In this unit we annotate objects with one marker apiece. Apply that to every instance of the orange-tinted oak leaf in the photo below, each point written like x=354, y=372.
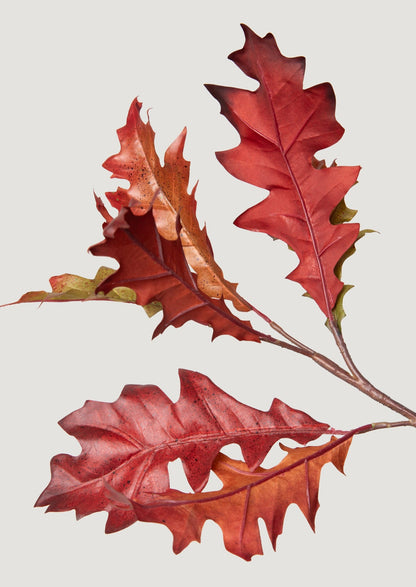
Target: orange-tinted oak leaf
x=157, y=271
x=281, y=126
x=73, y=288
x=245, y=497
x=127, y=444
x=164, y=190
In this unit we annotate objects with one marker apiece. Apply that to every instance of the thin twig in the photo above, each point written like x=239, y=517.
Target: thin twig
x=354, y=377
x=339, y=339
x=361, y=384
x=158, y=500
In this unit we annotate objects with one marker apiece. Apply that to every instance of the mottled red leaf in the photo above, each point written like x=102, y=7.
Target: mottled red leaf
x=164, y=190
x=282, y=126
x=127, y=444
x=157, y=271
x=245, y=497
x=161, y=191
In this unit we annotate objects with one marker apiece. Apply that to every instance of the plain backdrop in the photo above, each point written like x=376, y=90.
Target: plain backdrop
x=69, y=73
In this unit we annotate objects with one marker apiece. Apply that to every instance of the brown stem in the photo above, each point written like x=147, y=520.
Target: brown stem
x=362, y=382
x=359, y=383
x=302, y=348
x=339, y=339
x=264, y=477
x=381, y=425
x=321, y=360
x=354, y=377
x=278, y=328
x=384, y=399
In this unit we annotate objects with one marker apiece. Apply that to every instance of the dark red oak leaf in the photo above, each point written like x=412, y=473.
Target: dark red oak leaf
x=281, y=126
x=157, y=271
x=127, y=444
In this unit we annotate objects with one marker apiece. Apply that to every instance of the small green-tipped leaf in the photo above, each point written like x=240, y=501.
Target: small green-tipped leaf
x=338, y=310
x=72, y=288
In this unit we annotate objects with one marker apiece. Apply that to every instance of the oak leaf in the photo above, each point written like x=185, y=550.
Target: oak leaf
x=157, y=271
x=245, y=497
x=127, y=444
x=74, y=288
x=282, y=126
x=164, y=191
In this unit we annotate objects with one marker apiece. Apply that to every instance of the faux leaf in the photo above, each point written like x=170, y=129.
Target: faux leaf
x=127, y=444
x=282, y=126
x=340, y=215
x=338, y=310
x=72, y=288
x=245, y=497
x=157, y=270
x=164, y=190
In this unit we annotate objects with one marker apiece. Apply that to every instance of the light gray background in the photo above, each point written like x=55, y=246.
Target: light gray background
x=69, y=73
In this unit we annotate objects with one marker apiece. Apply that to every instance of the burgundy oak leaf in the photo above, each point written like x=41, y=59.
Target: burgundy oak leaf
x=157, y=271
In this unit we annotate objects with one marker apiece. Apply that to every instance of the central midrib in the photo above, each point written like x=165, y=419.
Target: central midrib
x=267, y=431
x=298, y=191
x=207, y=258
x=192, y=286
x=267, y=476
